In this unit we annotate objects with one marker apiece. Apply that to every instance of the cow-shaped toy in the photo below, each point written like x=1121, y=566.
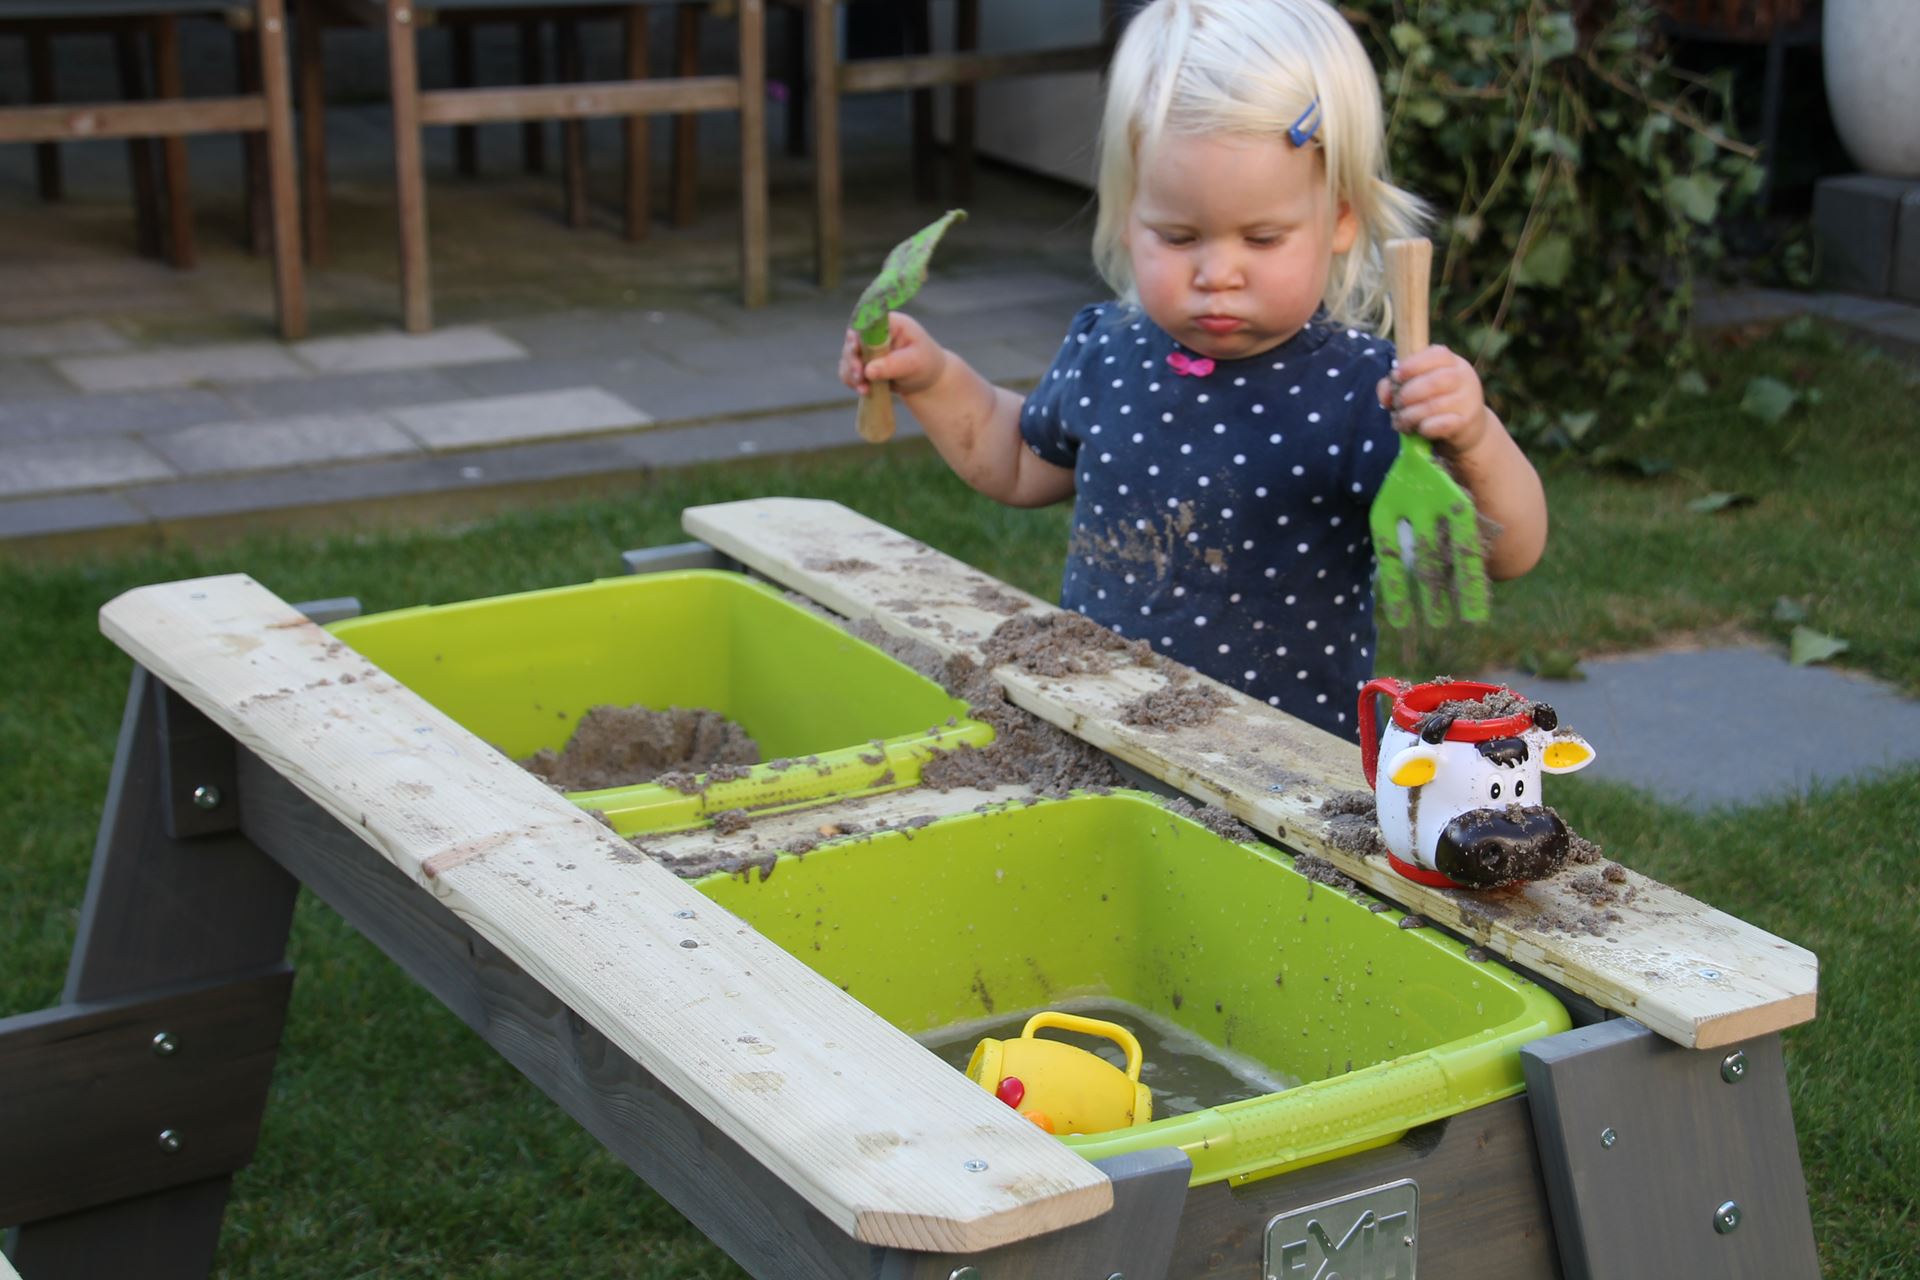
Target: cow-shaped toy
x=1458, y=796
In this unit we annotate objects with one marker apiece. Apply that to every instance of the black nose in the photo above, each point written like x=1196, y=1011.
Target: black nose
x=1486, y=848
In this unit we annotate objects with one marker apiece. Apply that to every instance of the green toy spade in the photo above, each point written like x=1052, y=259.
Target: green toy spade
x=1426, y=536
x=901, y=276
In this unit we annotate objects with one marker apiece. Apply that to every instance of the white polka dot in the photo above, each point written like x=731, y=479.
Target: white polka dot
x=1279, y=364
x=1106, y=457
x=1226, y=513
x=1145, y=610
x=1094, y=430
x=1116, y=382
x=1173, y=502
x=1259, y=408
x=1203, y=398
x=1297, y=468
x=1363, y=653
x=1261, y=492
x=1085, y=401
x=1138, y=437
x=1273, y=702
x=1247, y=545
x=1119, y=630
x=1283, y=520
x=1248, y=676
x=1099, y=510
x=1239, y=459
x=1274, y=438
x=1225, y=648
x=1102, y=593
x=1333, y=373
x=1336, y=600
x=1154, y=470
x=1200, y=621
x=1178, y=592
x=1343, y=715
x=1366, y=446
x=1302, y=675
x=1281, y=652
x=1259, y=625
x=1272, y=571
x=1186, y=448
x=1193, y=537
x=1123, y=493
x=1219, y=428
x=1139, y=524
x=1335, y=523
x=1312, y=417
x=1153, y=386
x=1329, y=650
x=1320, y=698
x=1313, y=624
x=1333, y=449
x=1239, y=382
x=1291, y=599
x=1126, y=408
x=1205, y=481
x=1166, y=417
x=1166, y=640
x=1293, y=391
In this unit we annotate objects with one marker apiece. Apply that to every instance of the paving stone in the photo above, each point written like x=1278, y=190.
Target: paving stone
x=497, y=420
x=59, y=338
x=27, y=379
x=67, y=513
x=218, y=447
x=238, y=362
x=587, y=335
x=750, y=389
x=58, y=466
x=946, y=296
x=631, y=368
x=72, y=415
x=1725, y=727
x=383, y=352
x=334, y=393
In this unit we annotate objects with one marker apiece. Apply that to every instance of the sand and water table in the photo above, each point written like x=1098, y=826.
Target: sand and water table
x=1341, y=1093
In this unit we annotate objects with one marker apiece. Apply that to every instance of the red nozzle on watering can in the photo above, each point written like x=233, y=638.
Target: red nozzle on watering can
x=1060, y=1087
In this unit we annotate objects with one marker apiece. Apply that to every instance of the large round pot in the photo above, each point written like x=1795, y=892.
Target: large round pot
x=1872, y=53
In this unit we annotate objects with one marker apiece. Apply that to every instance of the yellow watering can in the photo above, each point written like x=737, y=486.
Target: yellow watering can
x=1061, y=1088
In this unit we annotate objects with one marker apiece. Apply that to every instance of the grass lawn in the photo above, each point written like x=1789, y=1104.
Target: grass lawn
x=396, y=1144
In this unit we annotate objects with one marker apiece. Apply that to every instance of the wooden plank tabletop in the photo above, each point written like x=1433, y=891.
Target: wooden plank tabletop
x=748, y=1036
x=1695, y=975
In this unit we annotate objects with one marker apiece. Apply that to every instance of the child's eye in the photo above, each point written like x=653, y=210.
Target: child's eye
x=1264, y=242
x=1175, y=238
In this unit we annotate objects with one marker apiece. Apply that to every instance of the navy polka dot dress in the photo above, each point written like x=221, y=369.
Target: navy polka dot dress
x=1221, y=513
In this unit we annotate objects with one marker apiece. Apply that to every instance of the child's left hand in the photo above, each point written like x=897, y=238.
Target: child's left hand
x=1437, y=395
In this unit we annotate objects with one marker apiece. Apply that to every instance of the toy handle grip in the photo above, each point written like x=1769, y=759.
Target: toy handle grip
x=1089, y=1026
x=874, y=420
x=1379, y=686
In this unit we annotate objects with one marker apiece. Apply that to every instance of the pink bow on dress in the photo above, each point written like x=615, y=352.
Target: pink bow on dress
x=1190, y=366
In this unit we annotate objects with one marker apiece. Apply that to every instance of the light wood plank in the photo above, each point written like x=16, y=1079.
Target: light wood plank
x=579, y=100
x=747, y=1035
x=173, y=118
x=880, y=75
x=1695, y=975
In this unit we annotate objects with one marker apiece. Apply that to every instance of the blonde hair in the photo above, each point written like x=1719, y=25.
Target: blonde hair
x=1251, y=67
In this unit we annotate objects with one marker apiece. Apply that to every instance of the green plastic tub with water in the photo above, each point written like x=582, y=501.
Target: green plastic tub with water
x=1292, y=1024
x=831, y=714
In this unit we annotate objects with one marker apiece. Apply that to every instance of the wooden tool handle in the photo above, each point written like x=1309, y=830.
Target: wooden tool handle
x=875, y=419
x=1409, y=264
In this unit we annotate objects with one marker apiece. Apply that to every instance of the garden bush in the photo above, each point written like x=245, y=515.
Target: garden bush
x=1576, y=178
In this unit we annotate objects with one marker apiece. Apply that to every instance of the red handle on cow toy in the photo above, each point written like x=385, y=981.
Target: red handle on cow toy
x=1387, y=686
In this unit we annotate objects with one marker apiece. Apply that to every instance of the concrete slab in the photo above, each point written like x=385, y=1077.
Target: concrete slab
x=622, y=374
x=218, y=447
x=383, y=352
x=61, y=466
x=946, y=296
x=1721, y=728
x=497, y=420
x=67, y=513
x=59, y=338
x=344, y=392
x=64, y=417
x=30, y=379
x=238, y=362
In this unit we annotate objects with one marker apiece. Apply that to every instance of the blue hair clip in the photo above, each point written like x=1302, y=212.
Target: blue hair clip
x=1301, y=131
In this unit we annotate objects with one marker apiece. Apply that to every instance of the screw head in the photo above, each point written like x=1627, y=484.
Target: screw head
x=1733, y=1067
x=1608, y=1137
x=683, y=914
x=975, y=1166
x=164, y=1045
x=1726, y=1219
x=169, y=1140
x=206, y=796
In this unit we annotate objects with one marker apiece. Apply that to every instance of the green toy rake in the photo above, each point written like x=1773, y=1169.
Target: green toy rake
x=1426, y=536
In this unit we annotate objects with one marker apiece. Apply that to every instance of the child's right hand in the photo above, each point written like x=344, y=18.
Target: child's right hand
x=913, y=364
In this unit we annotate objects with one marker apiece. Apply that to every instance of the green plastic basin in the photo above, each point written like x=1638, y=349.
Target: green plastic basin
x=519, y=671
x=1115, y=897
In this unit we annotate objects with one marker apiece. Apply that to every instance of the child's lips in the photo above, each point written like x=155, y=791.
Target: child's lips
x=1218, y=325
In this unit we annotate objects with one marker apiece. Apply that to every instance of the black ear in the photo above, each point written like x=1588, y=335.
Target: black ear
x=1545, y=717
x=1433, y=728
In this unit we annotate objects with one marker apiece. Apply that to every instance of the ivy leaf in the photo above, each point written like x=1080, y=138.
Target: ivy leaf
x=1697, y=195
x=1787, y=609
x=1720, y=500
x=1548, y=261
x=1576, y=425
x=1430, y=112
x=1768, y=399
x=1407, y=38
x=1809, y=646
x=1691, y=382
x=1557, y=36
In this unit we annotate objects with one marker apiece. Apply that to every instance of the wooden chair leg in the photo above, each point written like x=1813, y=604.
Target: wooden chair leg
x=753, y=152
x=175, y=184
x=466, y=137
x=41, y=88
x=573, y=133
x=282, y=183
x=533, y=70
x=312, y=78
x=919, y=40
x=636, y=127
x=825, y=79
x=253, y=148
x=140, y=152
x=410, y=183
x=966, y=39
x=686, y=125
x=796, y=80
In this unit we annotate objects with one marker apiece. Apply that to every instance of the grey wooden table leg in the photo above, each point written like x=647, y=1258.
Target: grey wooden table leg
x=1665, y=1162
x=176, y=898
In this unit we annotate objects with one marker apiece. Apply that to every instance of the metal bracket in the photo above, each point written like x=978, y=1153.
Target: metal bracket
x=1662, y=1161
x=678, y=556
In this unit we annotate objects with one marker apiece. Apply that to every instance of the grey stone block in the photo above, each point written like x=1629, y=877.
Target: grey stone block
x=1855, y=218
x=61, y=466
x=496, y=420
x=64, y=417
x=383, y=352
x=68, y=513
x=27, y=379
x=59, y=338
x=344, y=392
x=617, y=373
x=1906, y=249
x=1687, y=727
x=219, y=447
x=237, y=362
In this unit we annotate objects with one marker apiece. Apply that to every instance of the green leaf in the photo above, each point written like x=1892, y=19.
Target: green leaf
x=1484, y=342
x=1406, y=37
x=901, y=276
x=1809, y=646
x=1548, y=261
x=1720, y=500
x=1576, y=425
x=1557, y=36
x=1768, y=399
x=1691, y=382
x=1787, y=609
x=1697, y=195
x=1798, y=329
x=1430, y=112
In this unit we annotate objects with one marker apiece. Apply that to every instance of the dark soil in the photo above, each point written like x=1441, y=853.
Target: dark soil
x=620, y=746
x=1352, y=826
x=1213, y=818
x=1175, y=706
x=1063, y=644
x=1493, y=706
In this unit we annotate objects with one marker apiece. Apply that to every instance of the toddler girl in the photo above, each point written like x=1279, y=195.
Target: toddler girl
x=1223, y=427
